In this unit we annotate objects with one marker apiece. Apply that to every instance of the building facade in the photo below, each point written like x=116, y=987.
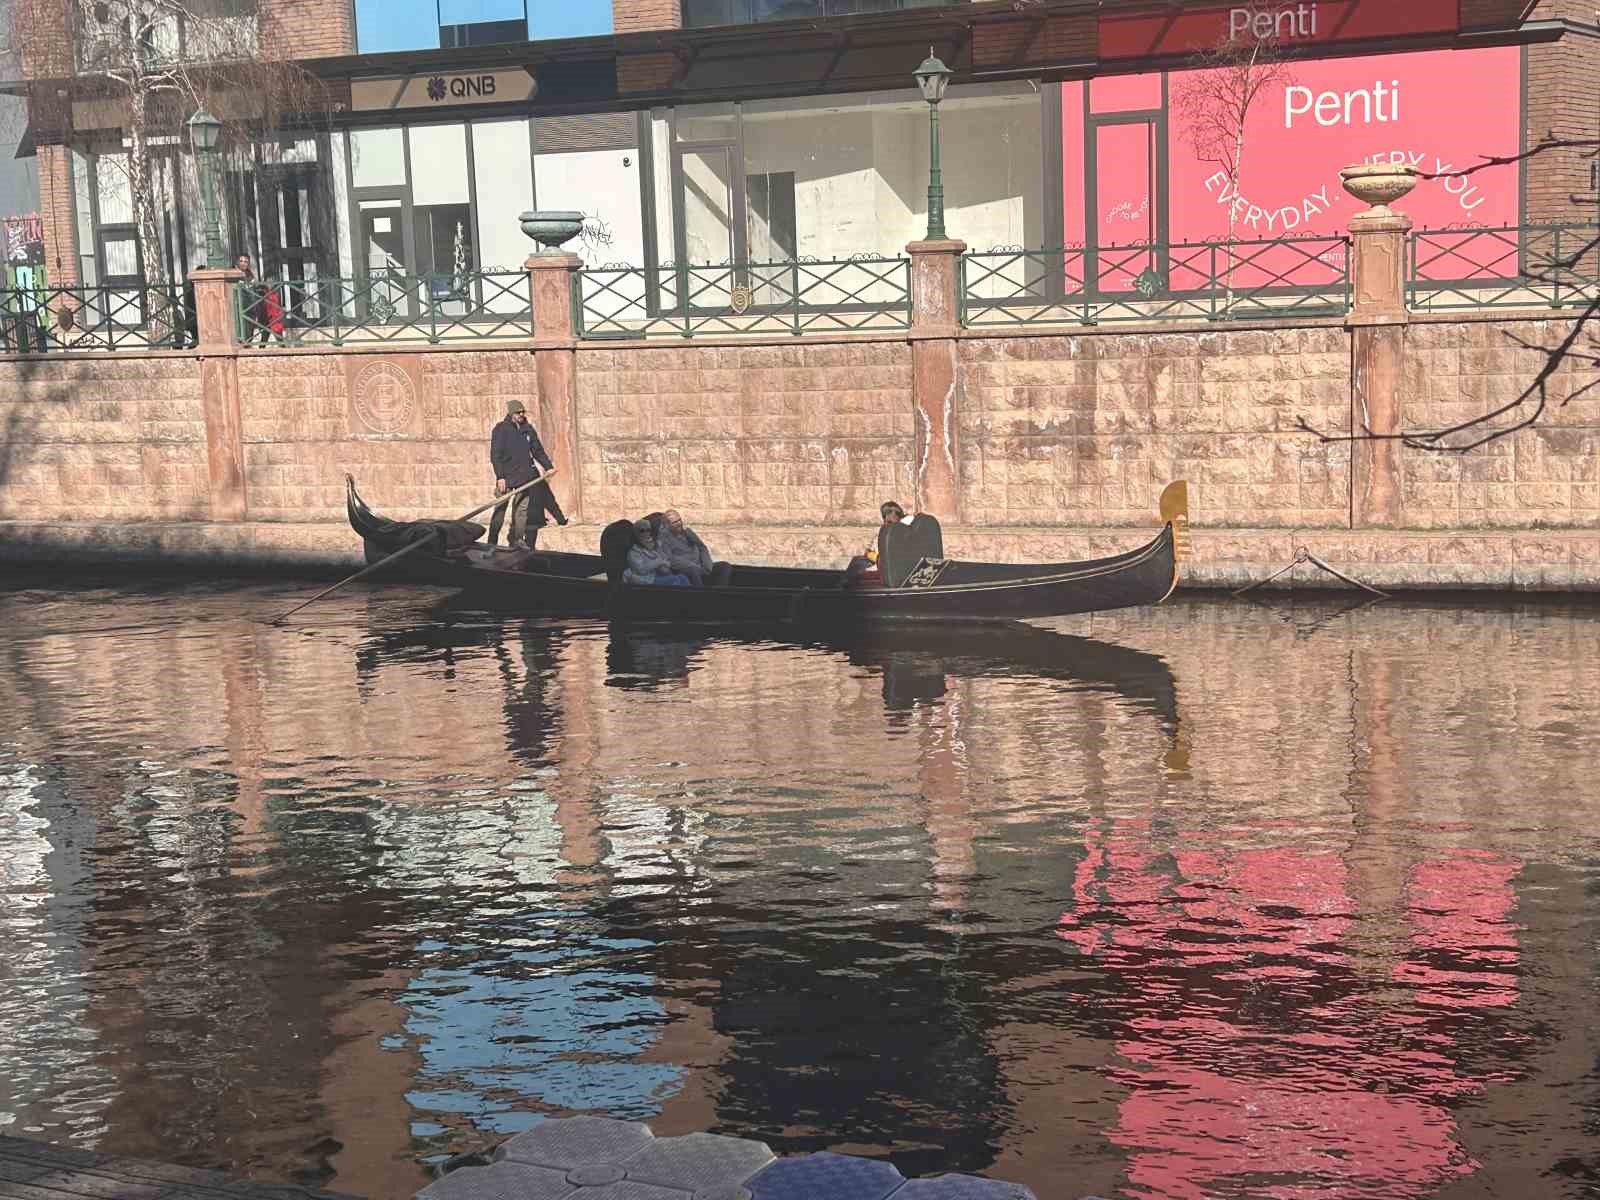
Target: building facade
x=753, y=131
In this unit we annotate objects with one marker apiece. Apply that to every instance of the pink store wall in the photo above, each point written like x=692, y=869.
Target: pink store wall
x=1131, y=173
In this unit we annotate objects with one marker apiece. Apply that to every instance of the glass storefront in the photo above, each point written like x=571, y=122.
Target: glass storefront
x=836, y=177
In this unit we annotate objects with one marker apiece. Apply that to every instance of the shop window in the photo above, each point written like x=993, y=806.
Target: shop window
x=769, y=209
x=378, y=157
x=482, y=33
x=445, y=253
x=482, y=22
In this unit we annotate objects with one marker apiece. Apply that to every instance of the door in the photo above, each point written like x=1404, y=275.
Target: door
x=383, y=258
x=296, y=252
x=710, y=233
x=1127, y=217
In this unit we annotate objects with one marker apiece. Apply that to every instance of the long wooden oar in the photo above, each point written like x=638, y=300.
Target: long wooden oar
x=416, y=545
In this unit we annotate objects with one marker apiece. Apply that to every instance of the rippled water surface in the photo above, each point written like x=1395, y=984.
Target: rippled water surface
x=1215, y=900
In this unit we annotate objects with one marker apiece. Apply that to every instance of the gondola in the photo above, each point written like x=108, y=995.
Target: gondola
x=915, y=581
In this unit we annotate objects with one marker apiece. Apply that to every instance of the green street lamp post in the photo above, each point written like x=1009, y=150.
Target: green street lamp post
x=204, y=132
x=933, y=77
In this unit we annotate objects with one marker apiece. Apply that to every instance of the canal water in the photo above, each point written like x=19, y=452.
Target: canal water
x=1215, y=900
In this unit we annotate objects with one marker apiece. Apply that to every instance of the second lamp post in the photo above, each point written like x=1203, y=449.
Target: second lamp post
x=933, y=77
x=204, y=131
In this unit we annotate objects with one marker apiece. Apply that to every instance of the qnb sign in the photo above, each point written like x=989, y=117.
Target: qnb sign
x=1288, y=24
x=461, y=87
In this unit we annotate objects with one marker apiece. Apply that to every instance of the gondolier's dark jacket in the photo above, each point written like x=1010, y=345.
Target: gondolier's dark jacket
x=513, y=450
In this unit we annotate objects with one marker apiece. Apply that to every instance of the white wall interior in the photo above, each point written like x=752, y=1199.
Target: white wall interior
x=80, y=187
x=438, y=165
x=502, y=161
x=661, y=158
x=604, y=186
x=341, y=206
x=378, y=157
x=861, y=167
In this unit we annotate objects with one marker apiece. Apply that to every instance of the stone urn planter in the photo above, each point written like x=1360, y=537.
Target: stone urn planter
x=1377, y=184
x=551, y=229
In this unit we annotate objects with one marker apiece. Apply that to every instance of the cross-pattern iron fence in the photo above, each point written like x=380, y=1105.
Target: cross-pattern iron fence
x=44, y=320
x=1527, y=266
x=796, y=297
x=1178, y=281
x=385, y=307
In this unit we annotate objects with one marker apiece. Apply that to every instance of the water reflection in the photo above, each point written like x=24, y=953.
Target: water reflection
x=1172, y=904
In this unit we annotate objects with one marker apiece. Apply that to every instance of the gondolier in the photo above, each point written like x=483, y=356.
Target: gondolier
x=517, y=456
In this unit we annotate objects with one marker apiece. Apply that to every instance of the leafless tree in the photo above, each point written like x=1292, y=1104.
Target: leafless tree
x=145, y=66
x=1567, y=356
x=1217, y=97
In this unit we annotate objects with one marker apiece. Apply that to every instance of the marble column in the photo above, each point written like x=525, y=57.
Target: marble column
x=1377, y=323
x=219, y=391
x=553, y=279
x=936, y=376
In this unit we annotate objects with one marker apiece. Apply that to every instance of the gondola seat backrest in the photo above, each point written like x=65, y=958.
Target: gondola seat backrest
x=615, y=542
x=901, y=548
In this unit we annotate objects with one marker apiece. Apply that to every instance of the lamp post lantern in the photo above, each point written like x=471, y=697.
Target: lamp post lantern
x=204, y=132
x=933, y=77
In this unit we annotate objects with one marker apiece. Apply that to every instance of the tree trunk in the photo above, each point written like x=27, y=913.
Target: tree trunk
x=141, y=188
x=155, y=306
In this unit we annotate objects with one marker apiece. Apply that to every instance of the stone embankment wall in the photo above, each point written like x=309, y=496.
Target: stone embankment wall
x=1029, y=446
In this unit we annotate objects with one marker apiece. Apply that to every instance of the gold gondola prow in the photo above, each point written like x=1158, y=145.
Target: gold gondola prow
x=1175, y=512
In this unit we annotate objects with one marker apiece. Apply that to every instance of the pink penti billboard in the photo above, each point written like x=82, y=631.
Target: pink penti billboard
x=1437, y=110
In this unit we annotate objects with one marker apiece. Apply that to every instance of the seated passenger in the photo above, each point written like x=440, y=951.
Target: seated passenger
x=863, y=568
x=681, y=546
x=646, y=563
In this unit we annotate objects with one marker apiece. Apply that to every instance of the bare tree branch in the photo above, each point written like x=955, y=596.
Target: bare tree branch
x=1217, y=98
x=1577, y=348
x=1545, y=144
x=156, y=62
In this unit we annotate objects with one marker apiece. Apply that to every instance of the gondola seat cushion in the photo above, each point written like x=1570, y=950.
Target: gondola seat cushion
x=615, y=542
x=903, y=547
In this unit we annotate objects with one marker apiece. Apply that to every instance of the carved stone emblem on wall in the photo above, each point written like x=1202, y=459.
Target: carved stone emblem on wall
x=384, y=397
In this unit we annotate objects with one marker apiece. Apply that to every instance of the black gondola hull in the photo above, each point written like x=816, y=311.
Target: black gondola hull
x=562, y=584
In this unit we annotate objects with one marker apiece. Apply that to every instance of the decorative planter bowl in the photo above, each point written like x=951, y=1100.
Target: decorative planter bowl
x=551, y=229
x=1378, y=183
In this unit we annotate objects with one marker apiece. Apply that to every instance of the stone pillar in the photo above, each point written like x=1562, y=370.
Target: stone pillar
x=553, y=279
x=936, y=376
x=1377, y=324
x=219, y=390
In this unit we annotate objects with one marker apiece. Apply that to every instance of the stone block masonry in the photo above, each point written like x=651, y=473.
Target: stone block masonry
x=1056, y=444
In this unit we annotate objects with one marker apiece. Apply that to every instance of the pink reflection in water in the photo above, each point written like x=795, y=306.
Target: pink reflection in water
x=1259, y=1061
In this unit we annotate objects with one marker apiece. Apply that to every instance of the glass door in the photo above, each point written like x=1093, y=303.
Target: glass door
x=293, y=220
x=383, y=258
x=1125, y=192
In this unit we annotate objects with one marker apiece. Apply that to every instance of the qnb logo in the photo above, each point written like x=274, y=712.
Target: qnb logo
x=1290, y=21
x=461, y=87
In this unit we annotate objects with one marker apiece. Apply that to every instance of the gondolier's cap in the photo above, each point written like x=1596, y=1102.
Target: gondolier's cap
x=513, y=407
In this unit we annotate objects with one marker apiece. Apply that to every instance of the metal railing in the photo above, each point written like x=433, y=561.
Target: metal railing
x=385, y=307
x=1179, y=281
x=48, y=320
x=1526, y=266
x=796, y=297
